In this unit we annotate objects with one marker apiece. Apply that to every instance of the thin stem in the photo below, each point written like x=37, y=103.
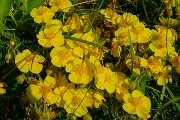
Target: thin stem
x=132, y=52
x=86, y=42
x=173, y=97
x=144, y=7
x=163, y=93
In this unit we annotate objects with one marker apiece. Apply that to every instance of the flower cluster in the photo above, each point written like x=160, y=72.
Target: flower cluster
x=133, y=34
x=81, y=56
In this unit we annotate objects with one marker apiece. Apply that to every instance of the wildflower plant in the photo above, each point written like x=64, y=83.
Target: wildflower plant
x=104, y=62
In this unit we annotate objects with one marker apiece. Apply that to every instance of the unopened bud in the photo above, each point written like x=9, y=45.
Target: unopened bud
x=8, y=57
x=12, y=42
x=49, y=72
x=20, y=79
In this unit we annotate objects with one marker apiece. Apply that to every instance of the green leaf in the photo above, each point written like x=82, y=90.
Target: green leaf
x=86, y=42
x=18, y=3
x=142, y=86
x=4, y=10
x=145, y=78
x=33, y=4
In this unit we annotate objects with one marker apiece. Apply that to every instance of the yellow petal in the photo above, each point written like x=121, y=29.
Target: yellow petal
x=129, y=108
x=24, y=66
x=49, y=81
x=110, y=88
x=38, y=58
x=75, y=78
x=136, y=94
x=50, y=98
x=126, y=97
x=78, y=51
x=2, y=91
x=36, y=68
x=69, y=95
x=55, y=61
x=141, y=112
x=81, y=110
x=33, y=93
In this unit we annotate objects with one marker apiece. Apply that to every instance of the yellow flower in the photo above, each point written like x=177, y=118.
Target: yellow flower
x=162, y=41
x=85, y=21
x=162, y=34
x=137, y=103
x=2, y=90
x=77, y=101
x=110, y=15
x=175, y=61
x=98, y=69
x=97, y=52
x=80, y=71
x=27, y=61
x=170, y=22
x=108, y=80
x=54, y=24
x=116, y=48
x=63, y=5
x=122, y=86
x=62, y=86
x=127, y=20
x=73, y=24
x=161, y=49
x=124, y=35
x=162, y=77
x=50, y=37
x=80, y=49
x=42, y=14
x=42, y=89
x=138, y=63
x=97, y=99
x=61, y=56
x=141, y=34
x=155, y=64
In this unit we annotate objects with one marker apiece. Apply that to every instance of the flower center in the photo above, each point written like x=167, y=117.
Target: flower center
x=41, y=11
x=29, y=57
x=136, y=101
x=76, y=101
x=44, y=89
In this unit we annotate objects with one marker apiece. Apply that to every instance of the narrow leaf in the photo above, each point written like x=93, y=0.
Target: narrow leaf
x=86, y=42
x=33, y=4
x=4, y=10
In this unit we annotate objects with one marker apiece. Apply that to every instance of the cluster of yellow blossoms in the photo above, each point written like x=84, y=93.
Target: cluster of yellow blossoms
x=83, y=62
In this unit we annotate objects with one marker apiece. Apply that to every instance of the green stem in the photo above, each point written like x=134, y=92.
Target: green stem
x=173, y=97
x=102, y=1
x=86, y=42
x=163, y=93
x=163, y=106
x=11, y=15
x=131, y=51
x=144, y=7
x=167, y=103
x=40, y=78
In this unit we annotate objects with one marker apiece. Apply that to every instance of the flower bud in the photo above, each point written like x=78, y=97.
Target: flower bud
x=20, y=79
x=12, y=43
x=8, y=57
